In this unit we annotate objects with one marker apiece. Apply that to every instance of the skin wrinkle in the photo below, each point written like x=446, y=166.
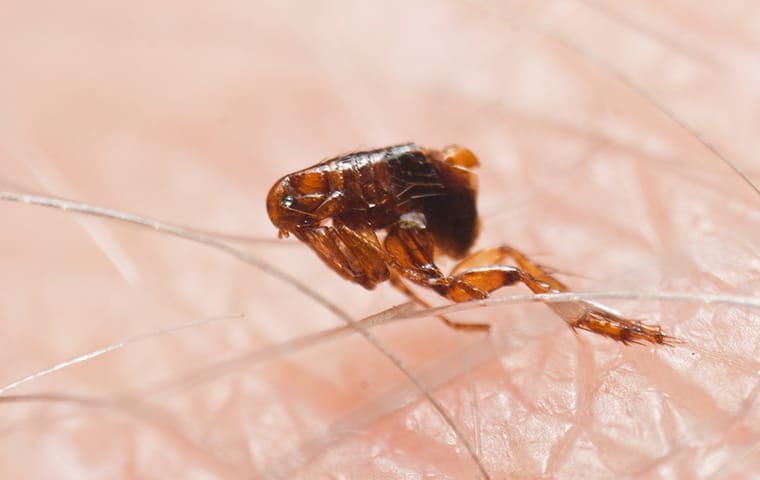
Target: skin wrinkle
x=191, y=118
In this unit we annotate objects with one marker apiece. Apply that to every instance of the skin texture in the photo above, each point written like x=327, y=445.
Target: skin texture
x=188, y=112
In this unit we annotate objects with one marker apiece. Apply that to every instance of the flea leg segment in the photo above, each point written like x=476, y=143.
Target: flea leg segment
x=583, y=315
x=397, y=282
x=410, y=253
x=355, y=254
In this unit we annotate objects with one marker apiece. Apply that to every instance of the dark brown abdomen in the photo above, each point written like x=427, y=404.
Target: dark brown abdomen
x=391, y=181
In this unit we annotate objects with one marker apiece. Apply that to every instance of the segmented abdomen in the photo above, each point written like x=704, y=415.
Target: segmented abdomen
x=381, y=185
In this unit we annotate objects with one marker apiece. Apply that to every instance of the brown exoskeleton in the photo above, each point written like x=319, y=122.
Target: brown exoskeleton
x=425, y=201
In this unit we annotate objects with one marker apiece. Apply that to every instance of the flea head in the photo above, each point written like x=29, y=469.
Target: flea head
x=298, y=200
x=281, y=207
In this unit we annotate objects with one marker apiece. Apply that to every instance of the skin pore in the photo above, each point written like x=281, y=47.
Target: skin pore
x=575, y=110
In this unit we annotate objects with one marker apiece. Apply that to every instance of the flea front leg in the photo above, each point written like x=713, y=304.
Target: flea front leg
x=355, y=254
x=583, y=315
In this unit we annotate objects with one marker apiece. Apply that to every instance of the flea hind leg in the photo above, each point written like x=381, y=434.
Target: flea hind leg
x=410, y=253
x=582, y=315
x=397, y=282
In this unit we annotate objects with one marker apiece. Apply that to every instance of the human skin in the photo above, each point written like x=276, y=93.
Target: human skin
x=587, y=121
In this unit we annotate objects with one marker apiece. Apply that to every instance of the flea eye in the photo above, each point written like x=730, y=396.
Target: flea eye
x=287, y=201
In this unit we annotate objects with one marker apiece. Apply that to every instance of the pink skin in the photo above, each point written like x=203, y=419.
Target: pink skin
x=189, y=115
